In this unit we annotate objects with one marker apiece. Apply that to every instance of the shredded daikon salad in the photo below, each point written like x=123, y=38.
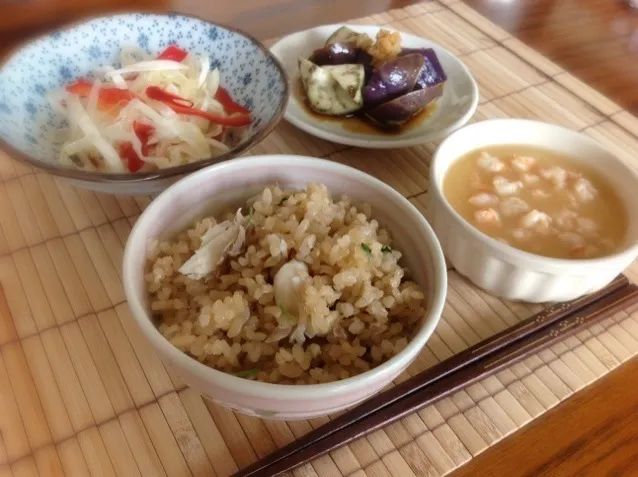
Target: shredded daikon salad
x=151, y=113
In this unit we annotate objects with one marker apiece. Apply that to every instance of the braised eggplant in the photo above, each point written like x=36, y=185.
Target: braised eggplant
x=393, y=79
x=432, y=73
x=393, y=114
x=335, y=54
x=333, y=90
x=343, y=35
x=341, y=54
x=348, y=75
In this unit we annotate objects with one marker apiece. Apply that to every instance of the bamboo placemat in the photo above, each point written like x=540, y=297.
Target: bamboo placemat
x=82, y=394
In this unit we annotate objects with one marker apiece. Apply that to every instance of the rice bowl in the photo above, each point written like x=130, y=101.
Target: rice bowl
x=310, y=290
x=217, y=189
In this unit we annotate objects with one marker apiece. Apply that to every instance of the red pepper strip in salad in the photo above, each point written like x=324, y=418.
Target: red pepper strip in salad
x=174, y=53
x=169, y=99
x=226, y=100
x=143, y=133
x=184, y=106
x=108, y=98
x=133, y=161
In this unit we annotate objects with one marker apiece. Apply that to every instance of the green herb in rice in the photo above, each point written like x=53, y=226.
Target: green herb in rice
x=251, y=213
x=286, y=315
x=386, y=249
x=366, y=248
x=247, y=373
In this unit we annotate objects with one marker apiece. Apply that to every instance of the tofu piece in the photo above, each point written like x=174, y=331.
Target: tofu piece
x=540, y=194
x=531, y=179
x=571, y=238
x=505, y=187
x=512, y=206
x=487, y=217
x=585, y=190
x=566, y=219
x=536, y=220
x=522, y=235
x=523, y=163
x=490, y=163
x=586, y=226
x=556, y=175
x=483, y=199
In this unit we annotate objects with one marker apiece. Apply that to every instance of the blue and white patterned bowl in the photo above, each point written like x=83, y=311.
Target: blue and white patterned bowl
x=248, y=70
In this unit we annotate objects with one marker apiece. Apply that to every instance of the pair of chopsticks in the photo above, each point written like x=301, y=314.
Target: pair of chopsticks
x=473, y=364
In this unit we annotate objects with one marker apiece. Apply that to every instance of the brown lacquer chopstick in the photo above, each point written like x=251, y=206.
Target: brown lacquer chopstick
x=344, y=424
x=456, y=381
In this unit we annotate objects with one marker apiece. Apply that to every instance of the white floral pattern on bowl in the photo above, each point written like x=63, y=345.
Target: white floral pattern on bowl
x=247, y=69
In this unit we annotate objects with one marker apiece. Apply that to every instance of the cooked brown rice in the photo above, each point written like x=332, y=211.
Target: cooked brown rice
x=305, y=289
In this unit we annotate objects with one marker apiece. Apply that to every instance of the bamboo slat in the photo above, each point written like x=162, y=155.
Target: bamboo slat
x=82, y=393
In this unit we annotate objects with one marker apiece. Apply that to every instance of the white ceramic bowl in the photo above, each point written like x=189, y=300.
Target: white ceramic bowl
x=511, y=273
x=453, y=109
x=215, y=188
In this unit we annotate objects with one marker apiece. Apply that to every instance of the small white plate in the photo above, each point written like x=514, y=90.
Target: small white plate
x=453, y=109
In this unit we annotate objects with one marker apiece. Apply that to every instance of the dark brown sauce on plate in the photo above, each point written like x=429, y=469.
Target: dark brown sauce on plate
x=357, y=124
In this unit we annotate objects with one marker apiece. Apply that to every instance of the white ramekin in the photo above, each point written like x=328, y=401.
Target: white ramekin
x=508, y=272
x=216, y=188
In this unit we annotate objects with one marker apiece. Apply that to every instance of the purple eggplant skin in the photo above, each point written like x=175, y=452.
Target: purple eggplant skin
x=393, y=114
x=393, y=79
x=432, y=73
x=335, y=54
x=365, y=59
x=343, y=54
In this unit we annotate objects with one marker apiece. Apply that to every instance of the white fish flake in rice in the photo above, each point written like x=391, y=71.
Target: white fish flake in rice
x=523, y=163
x=585, y=190
x=490, y=163
x=505, y=187
x=483, y=199
x=512, y=206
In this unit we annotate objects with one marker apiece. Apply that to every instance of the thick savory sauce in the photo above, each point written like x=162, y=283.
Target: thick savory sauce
x=356, y=124
x=537, y=201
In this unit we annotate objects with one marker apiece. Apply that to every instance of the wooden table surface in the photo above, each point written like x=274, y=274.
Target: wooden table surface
x=595, y=433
